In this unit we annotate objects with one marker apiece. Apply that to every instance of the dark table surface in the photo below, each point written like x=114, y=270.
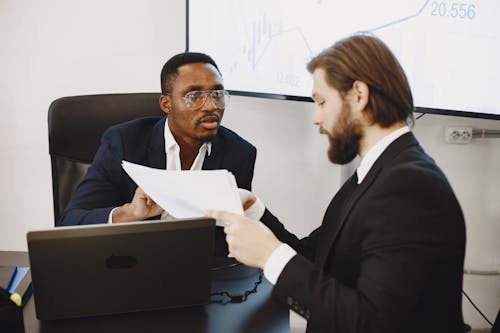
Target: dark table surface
x=259, y=313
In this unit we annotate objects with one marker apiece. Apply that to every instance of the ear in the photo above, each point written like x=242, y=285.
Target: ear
x=361, y=96
x=165, y=103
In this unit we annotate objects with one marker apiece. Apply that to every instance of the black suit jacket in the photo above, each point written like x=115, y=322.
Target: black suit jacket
x=106, y=185
x=388, y=256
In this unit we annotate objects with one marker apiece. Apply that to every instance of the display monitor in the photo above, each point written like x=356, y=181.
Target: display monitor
x=448, y=49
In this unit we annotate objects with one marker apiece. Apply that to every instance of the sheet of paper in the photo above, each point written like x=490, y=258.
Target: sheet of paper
x=186, y=194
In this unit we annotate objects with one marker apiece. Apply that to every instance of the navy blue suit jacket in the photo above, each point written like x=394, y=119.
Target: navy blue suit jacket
x=106, y=185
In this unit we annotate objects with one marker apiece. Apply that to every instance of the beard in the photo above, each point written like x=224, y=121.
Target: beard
x=344, y=138
x=188, y=125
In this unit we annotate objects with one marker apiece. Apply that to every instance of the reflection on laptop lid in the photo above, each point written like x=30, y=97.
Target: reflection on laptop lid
x=116, y=268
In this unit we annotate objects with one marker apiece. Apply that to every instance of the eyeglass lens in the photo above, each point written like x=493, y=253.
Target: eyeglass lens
x=195, y=99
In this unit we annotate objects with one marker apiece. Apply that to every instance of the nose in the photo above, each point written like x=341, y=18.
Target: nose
x=208, y=104
x=316, y=116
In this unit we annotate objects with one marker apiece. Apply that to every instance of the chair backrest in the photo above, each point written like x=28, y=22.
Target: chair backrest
x=496, y=324
x=76, y=124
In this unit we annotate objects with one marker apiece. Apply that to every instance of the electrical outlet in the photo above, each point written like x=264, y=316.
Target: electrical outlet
x=458, y=134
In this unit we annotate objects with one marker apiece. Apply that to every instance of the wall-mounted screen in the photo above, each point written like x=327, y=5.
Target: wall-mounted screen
x=450, y=50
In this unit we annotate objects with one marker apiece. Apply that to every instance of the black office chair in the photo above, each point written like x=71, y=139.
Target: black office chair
x=76, y=124
x=496, y=324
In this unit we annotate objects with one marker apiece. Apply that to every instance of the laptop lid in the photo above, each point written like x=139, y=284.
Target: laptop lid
x=115, y=268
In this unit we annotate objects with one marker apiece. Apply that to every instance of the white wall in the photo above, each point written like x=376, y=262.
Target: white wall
x=54, y=48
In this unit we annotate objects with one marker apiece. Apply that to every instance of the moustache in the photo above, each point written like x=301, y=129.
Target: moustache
x=323, y=131
x=209, y=118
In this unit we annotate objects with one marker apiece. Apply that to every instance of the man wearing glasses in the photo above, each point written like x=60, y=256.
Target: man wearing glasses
x=188, y=138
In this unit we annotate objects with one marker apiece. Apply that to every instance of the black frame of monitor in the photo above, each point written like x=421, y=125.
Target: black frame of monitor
x=418, y=109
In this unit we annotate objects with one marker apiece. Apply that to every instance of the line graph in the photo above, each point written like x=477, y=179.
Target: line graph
x=271, y=36
x=264, y=33
x=264, y=46
x=398, y=21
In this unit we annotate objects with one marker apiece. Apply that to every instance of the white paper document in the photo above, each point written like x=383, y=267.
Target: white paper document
x=186, y=194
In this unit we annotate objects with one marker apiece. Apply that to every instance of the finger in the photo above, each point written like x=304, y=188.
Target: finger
x=156, y=210
x=140, y=194
x=222, y=215
x=231, y=245
x=150, y=201
x=244, y=194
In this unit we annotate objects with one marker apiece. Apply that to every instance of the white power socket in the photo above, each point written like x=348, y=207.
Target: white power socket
x=458, y=134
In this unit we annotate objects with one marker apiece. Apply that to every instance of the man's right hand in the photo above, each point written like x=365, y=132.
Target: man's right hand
x=141, y=208
x=249, y=241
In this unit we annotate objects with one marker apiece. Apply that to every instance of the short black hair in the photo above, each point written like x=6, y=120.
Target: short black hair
x=169, y=70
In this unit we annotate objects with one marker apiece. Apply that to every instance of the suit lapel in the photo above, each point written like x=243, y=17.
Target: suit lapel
x=216, y=157
x=348, y=205
x=157, y=157
x=331, y=219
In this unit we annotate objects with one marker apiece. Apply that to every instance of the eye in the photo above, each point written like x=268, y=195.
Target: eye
x=318, y=101
x=218, y=94
x=193, y=96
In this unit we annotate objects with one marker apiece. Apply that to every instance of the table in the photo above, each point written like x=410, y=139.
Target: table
x=259, y=313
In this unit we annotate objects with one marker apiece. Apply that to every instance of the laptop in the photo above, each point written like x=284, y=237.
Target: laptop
x=91, y=270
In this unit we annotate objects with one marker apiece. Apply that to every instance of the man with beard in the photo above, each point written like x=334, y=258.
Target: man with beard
x=188, y=138
x=388, y=256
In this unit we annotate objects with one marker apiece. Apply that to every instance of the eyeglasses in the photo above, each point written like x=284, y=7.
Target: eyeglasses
x=196, y=99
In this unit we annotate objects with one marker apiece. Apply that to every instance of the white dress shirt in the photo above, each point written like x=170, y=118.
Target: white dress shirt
x=282, y=255
x=172, y=150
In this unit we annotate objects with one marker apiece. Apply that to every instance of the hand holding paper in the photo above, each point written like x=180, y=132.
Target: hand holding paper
x=186, y=194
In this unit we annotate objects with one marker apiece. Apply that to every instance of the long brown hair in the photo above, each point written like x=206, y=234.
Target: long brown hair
x=367, y=59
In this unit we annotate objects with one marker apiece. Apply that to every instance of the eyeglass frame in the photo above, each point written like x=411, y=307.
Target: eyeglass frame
x=204, y=94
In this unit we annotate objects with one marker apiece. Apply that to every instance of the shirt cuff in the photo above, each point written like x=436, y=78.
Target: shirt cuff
x=166, y=216
x=110, y=216
x=277, y=261
x=256, y=210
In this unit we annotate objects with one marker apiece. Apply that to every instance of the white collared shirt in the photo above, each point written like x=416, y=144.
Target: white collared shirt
x=374, y=153
x=172, y=151
x=282, y=255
